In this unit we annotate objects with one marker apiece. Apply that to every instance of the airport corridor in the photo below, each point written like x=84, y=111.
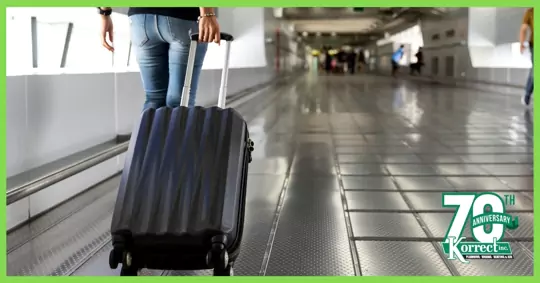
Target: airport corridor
x=346, y=180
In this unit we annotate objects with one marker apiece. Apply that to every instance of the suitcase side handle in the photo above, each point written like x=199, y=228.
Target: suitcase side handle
x=191, y=63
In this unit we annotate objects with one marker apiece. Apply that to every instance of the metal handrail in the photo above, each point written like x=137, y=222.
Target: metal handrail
x=61, y=174
x=36, y=185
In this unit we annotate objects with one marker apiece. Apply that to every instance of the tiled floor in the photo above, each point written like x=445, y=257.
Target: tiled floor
x=348, y=174
x=397, y=146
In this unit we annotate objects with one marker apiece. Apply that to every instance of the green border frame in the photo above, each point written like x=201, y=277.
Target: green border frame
x=243, y=3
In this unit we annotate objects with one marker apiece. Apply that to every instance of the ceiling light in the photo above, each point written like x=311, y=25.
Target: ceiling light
x=278, y=12
x=291, y=27
x=305, y=34
x=318, y=34
x=333, y=34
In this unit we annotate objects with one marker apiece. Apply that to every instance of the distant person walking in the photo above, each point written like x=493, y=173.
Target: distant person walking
x=417, y=67
x=396, y=57
x=361, y=60
x=327, y=60
x=351, y=62
x=161, y=38
x=527, y=25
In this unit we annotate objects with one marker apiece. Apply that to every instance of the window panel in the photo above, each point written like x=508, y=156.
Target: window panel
x=18, y=44
x=50, y=44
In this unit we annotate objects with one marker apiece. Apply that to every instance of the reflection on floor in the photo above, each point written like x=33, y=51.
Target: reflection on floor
x=346, y=180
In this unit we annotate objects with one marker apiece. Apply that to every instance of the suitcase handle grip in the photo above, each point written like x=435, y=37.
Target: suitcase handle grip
x=223, y=36
x=191, y=63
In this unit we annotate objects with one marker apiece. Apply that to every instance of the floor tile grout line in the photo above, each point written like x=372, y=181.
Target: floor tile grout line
x=452, y=148
x=279, y=208
x=449, y=127
x=416, y=211
x=414, y=128
x=521, y=246
x=515, y=240
x=275, y=221
x=350, y=234
x=451, y=268
x=447, y=146
x=398, y=153
x=440, y=190
x=432, y=175
x=496, y=176
x=355, y=257
x=525, y=250
x=521, y=192
x=433, y=163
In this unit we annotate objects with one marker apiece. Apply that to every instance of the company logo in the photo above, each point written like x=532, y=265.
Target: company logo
x=486, y=213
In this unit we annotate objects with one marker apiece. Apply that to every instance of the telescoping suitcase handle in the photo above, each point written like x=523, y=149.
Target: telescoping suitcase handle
x=191, y=63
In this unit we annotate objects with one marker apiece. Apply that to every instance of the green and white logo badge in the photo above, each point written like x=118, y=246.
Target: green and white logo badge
x=487, y=241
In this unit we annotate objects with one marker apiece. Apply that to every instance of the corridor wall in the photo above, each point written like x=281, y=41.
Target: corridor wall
x=471, y=46
x=55, y=113
x=476, y=52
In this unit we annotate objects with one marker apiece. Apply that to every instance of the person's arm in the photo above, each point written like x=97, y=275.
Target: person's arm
x=106, y=30
x=208, y=25
x=524, y=28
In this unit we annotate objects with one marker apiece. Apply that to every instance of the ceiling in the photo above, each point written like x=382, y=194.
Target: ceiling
x=344, y=26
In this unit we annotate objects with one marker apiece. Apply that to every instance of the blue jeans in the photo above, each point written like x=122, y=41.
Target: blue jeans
x=529, y=87
x=161, y=45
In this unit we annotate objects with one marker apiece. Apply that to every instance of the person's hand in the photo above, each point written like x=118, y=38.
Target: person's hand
x=209, y=30
x=522, y=48
x=107, y=32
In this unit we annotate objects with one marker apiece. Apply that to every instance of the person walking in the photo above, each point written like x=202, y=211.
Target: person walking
x=351, y=62
x=417, y=67
x=161, y=38
x=527, y=25
x=361, y=60
x=396, y=57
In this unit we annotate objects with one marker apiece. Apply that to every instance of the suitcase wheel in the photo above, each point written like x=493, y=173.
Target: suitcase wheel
x=251, y=147
x=128, y=269
x=227, y=271
x=114, y=259
x=218, y=257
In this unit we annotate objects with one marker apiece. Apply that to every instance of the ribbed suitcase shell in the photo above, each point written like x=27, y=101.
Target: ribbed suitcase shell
x=184, y=181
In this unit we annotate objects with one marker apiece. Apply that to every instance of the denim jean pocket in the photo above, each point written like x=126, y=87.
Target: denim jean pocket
x=181, y=30
x=139, y=37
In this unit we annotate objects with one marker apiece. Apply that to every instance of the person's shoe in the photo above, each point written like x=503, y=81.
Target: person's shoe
x=525, y=100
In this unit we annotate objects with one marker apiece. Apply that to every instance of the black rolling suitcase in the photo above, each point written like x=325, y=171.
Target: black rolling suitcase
x=181, y=201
